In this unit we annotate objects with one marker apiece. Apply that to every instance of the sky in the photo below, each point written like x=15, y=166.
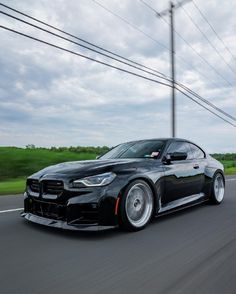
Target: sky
x=49, y=97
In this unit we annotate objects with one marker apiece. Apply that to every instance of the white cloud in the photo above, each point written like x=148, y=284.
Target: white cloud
x=49, y=97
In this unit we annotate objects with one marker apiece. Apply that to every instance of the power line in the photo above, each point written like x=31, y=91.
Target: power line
x=170, y=11
x=205, y=101
x=203, y=59
x=124, y=20
x=150, y=37
x=130, y=24
x=86, y=47
x=182, y=60
x=80, y=39
x=136, y=28
x=109, y=65
x=89, y=43
x=208, y=40
x=210, y=25
x=167, y=79
x=83, y=56
x=188, y=44
x=232, y=124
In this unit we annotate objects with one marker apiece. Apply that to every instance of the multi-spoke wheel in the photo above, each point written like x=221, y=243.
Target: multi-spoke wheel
x=136, y=206
x=218, y=188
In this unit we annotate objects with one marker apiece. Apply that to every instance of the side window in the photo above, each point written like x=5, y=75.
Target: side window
x=180, y=147
x=197, y=153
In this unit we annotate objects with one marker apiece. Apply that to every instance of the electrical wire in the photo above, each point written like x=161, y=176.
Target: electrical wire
x=148, y=36
x=86, y=47
x=111, y=66
x=167, y=79
x=189, y=45
x=178, y=57
x=208, y=40
x=80, y=39
x=214, y=31
x=232, y=124
x=99, y=47
x=130, y=24
x=205, y=101
x=83, y=56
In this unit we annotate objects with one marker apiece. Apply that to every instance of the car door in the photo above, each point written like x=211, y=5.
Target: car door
x=200, y=163
x=182, y=177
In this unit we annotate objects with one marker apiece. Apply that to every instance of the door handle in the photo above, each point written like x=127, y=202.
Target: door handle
x=196, y=166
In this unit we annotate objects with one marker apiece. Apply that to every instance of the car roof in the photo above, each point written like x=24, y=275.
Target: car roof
x=159, y=139
x=166, y=140
x=163, y=139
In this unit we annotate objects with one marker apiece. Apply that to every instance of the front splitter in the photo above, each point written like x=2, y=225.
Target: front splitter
x=62, y=224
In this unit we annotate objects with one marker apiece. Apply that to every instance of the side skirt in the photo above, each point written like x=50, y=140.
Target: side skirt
x=182, y=203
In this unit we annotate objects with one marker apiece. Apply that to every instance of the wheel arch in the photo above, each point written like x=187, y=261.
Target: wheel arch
x=213, y=197
x=150, y=184
x=221, y=172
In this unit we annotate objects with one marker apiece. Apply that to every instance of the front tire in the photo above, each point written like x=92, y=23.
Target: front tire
x=218, y=188
x=136, y=206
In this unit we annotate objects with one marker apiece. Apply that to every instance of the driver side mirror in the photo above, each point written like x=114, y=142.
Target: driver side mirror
x=174, y=157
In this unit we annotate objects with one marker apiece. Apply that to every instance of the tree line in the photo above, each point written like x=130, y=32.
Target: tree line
x=77, y=149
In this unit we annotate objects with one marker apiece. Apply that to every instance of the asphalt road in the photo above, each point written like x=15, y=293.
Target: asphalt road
x=193, y=251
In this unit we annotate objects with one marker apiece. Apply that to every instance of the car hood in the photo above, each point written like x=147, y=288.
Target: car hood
x=90, y=167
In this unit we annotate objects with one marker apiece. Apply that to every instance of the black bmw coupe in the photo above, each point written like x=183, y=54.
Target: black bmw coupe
x=125, y=187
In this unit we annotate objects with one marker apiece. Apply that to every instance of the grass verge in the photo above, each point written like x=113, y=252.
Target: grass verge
x=14, y=186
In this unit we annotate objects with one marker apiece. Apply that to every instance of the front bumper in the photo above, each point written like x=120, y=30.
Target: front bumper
x=63, y=224
x=51, y=201
x=77, y=213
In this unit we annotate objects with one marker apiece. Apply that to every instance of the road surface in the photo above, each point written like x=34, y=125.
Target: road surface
x=192, y=251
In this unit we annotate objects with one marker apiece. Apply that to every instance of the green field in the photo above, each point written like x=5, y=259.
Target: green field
x=18, y=163
x=14, y=186
x=230, y=166
x=229, y=162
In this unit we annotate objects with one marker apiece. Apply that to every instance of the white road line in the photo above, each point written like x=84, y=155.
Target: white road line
x=227, y=180
x=11, y=210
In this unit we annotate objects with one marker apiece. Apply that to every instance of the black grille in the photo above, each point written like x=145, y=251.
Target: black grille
x=53, y=187
x=34, y=185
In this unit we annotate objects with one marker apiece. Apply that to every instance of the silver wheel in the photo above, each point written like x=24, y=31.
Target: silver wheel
x=219, y=188
x=139, y=204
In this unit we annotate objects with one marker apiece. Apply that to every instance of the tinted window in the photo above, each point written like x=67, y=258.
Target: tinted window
x=180, y=147
x=196, y=152
x=141, y=149
x=116, y=151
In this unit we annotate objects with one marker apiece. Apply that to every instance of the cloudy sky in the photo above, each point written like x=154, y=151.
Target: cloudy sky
x=52, y=98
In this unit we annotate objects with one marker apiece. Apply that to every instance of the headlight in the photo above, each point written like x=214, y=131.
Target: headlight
x=93, y=181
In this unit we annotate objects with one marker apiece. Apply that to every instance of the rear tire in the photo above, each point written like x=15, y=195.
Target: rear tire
x=136, y=206
x=218, y=188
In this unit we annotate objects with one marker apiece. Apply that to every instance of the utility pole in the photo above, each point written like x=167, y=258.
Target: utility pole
x=171, y=11
x=172, y=55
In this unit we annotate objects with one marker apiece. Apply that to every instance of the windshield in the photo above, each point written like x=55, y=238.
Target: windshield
x=141, y=149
